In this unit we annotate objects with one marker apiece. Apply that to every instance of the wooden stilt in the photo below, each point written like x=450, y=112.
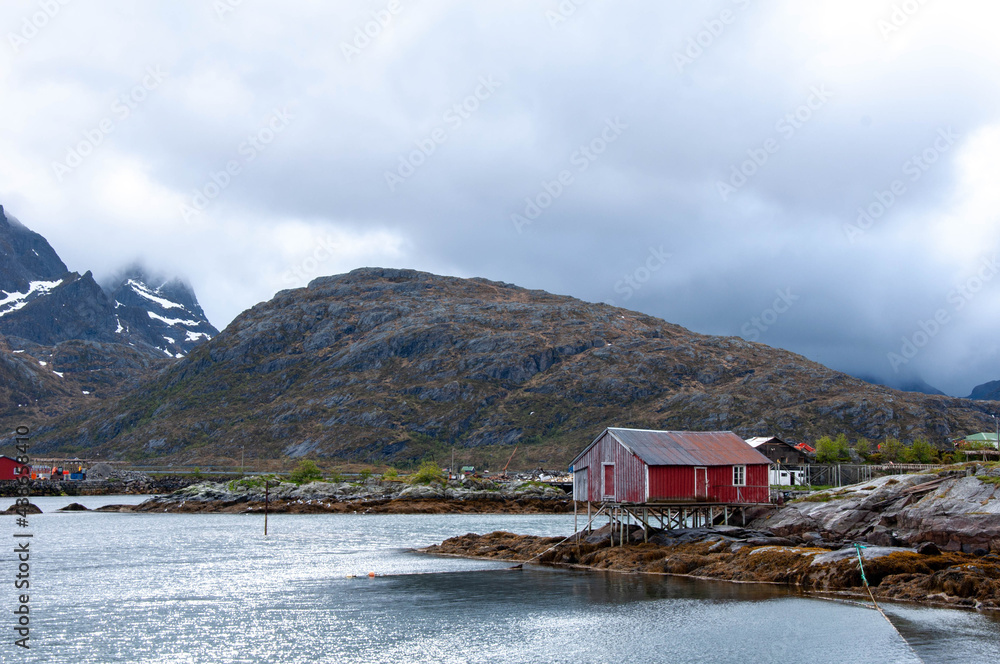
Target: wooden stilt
x=611, y=526
x=622, y=515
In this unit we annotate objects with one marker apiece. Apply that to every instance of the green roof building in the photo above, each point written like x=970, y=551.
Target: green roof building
x=984, y=437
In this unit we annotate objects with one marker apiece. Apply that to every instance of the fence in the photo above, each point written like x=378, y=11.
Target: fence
x=844, y=474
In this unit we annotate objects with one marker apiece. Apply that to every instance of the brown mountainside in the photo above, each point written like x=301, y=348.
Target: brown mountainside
x=388, y=366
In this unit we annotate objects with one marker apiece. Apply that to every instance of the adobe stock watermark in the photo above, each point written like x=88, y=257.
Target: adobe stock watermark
x=365, y=34
x=563, y=12
x=453, y=118
x=752, y=329
x=632, y=282
x=218, y=181
x=958, y=298
x=121, y=109
x=704, y=39
x=22, y=539
x=900, y=15
x=32, y=26
x=324, y=250
x=786, y=127
x=581, y=159
x=223, y=8
x=913, y=169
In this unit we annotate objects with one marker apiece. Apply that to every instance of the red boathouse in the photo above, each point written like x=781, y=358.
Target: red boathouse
x=642, y=467
x=12, y=469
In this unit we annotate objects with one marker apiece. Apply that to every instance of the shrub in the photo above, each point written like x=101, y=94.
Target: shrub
x=306, y=471
x=864, y=448
x=892, y=449
x=921, y=452
x=427, y=473
x=390, y=474
x=830, y=450
x=365, y=475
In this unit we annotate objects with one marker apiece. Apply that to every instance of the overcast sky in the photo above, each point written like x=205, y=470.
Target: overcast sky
x=701, y=162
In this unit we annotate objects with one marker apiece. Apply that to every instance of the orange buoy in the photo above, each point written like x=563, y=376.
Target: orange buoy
x=371, y=574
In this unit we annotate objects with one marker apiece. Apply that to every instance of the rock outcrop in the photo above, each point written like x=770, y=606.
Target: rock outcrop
x=747, y=556
x=370, y=496
x=954, y=511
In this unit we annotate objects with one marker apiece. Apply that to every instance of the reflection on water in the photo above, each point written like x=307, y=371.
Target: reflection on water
x=209, y=588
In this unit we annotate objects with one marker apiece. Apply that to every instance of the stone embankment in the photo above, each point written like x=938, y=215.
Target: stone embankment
x=368, y=497
x=933, y=539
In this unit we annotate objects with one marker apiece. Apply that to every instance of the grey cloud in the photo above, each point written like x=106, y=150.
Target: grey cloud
x=657, y=185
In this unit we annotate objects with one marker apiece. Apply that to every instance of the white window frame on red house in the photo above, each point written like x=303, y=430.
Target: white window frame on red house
x=739, y=475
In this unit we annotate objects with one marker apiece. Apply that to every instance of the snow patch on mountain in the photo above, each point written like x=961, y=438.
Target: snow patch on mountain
x=174, y=321
x=142, y=290
x=16, y=300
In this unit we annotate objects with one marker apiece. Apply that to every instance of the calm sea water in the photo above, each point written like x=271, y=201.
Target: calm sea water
x=162, y=588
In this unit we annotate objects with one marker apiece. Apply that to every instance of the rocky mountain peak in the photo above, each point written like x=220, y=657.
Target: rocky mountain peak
x=162, y=312
x=42, y=302
x=25, y=258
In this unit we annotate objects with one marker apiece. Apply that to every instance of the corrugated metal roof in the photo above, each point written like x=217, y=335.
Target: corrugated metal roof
x=686, y=448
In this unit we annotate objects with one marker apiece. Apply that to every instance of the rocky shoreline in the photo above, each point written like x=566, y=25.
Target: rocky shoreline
x=134, y=486
x=368, y=497
x=930, y=577
x=930, y=539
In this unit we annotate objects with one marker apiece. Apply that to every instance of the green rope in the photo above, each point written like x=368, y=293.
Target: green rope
x=861, y=563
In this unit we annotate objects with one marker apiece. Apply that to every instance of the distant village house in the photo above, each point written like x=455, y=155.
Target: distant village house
x=778, y=451
x=12, y=469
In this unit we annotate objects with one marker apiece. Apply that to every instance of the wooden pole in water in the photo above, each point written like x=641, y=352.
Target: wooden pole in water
x=267, y=486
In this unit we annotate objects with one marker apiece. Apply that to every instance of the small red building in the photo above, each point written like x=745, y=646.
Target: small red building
x=644, y=466
x=12, y=469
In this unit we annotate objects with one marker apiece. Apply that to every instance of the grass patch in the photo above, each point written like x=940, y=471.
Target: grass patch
x=822, y=497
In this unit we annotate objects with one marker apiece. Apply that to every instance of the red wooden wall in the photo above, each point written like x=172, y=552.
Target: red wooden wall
x=666, y=483
x=7, y=466
x=677, y=483
x=630, y=472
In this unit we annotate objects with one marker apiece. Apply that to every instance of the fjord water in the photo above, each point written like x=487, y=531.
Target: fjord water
x=166, y=588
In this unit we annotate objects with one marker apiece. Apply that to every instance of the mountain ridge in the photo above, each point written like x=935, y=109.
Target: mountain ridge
x=62, y=342
x=989, y=391
x=390, y=365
